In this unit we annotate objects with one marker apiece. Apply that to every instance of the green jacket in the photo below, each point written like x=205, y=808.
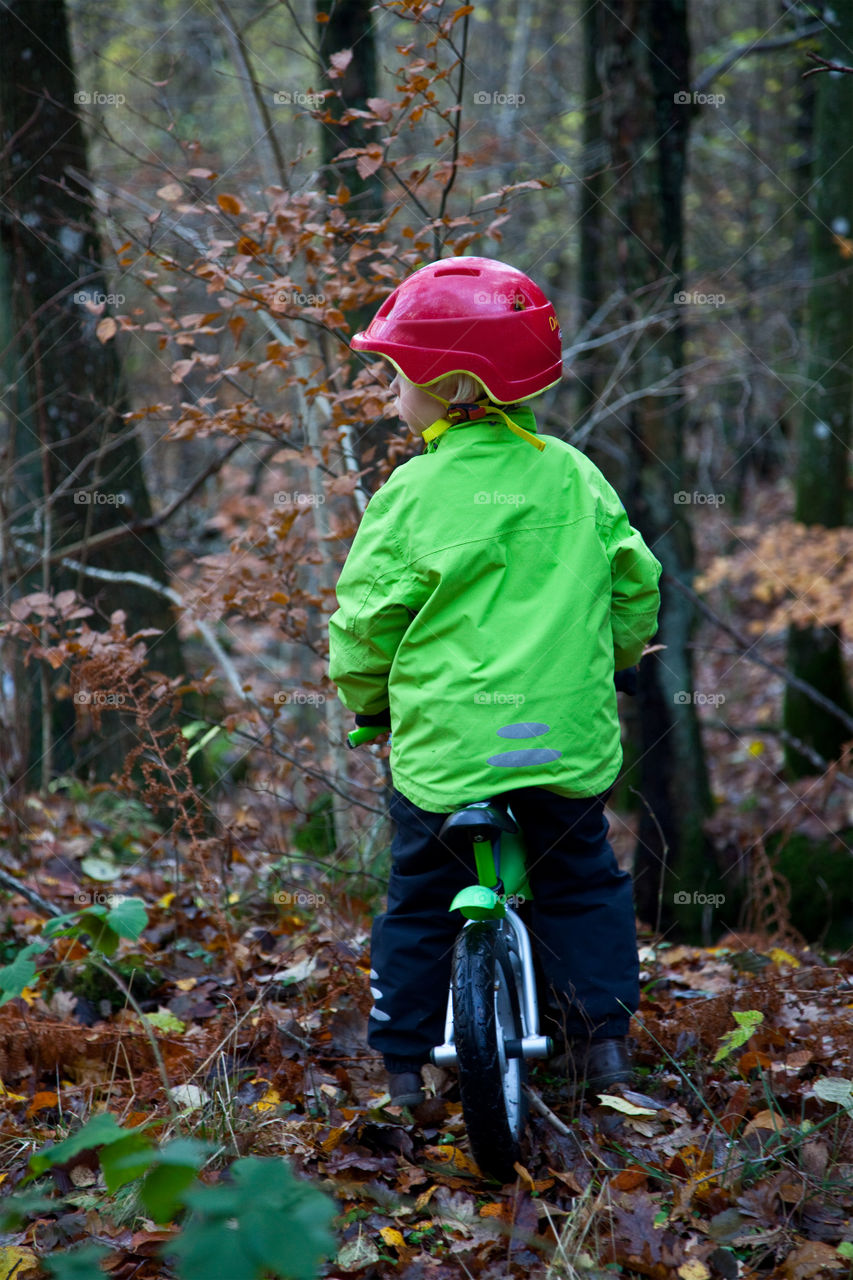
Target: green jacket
x=490, y=592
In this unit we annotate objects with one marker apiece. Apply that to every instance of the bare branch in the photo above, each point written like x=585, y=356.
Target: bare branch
x=825, y=65
x=748, y=647
x=710, y=74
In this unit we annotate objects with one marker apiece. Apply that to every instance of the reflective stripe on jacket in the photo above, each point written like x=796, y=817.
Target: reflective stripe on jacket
x=490, y=592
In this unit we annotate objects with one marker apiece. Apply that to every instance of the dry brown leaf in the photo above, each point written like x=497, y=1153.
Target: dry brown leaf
x=106, y=329
x=810, y=1259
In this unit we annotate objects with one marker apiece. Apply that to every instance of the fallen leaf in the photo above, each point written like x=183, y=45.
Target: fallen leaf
x=693, y=1270
x=765, y=1120
x=106, y=329
x=41, y=1101
x=358, y=1253
x=622, y=1104
x=16, y=1262
x=810, y=1259
x=188, y=1097
x=454, y=1160
x=629, y=1179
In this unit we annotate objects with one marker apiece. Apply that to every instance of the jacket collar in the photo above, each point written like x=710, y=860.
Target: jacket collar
x=484, y=428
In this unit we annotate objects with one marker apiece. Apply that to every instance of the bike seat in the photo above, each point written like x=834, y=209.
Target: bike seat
x=478, y=821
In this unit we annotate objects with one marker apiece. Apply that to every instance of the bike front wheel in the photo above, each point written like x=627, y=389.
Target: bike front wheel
x=486, y=1019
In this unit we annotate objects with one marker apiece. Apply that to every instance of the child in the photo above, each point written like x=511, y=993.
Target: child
x=493, y=588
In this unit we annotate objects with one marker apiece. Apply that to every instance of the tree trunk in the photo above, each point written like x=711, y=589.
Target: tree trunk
x=643, y=64
x=591, y=212
x=824, y=434
x=73, y=468
x=348, y=24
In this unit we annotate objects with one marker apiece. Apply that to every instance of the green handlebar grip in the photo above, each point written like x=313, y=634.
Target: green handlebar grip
x=366, y=733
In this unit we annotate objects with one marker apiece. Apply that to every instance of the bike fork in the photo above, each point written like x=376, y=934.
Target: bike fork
x=532, y=1044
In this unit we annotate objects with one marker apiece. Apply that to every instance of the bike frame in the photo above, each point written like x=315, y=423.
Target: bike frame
x=502, y=863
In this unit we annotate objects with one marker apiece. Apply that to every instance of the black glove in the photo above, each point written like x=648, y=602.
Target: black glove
x=379, y=720
x=626, y=681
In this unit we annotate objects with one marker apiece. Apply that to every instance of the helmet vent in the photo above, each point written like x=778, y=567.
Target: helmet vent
x=458, y=271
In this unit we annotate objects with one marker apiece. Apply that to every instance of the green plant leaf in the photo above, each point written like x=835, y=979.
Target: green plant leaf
x=747, y=1020
x=123, y=1161
x=21, y=972
x=264, y=1219
x=128, y=917
x=177, y=1164
x=102, y=1130
x=211, y=1250
x=846, y=1249
x=165, y=1020
x=77, y=1264
x=104, y=925
x=16, y=1209
x=57, y=927
x=834, y=1089
x=99, y=866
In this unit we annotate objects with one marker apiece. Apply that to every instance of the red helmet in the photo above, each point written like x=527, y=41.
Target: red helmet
x=469, y=315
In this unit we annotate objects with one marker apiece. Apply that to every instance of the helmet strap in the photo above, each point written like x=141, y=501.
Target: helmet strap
x=457, y=413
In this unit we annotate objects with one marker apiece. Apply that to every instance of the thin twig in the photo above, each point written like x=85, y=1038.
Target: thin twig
x=748, y=647
x=825, y=65
x=35, y=899
x=664, y=851
x=107, y=968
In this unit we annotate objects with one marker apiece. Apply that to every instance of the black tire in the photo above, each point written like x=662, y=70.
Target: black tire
x=486, y=1013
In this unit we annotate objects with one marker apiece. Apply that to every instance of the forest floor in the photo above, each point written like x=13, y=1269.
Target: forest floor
x=731, y=1156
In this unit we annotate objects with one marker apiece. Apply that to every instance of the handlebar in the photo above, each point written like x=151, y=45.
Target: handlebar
x=366, y=733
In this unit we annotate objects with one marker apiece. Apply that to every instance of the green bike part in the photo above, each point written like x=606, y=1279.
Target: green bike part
x=514, y=867
x=485, y=861
x=480, y=901
x=366, y=733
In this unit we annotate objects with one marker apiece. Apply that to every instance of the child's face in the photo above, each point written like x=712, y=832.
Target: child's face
x=417, y=408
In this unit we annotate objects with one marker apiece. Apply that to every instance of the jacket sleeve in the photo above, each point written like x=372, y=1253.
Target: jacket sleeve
x=372, y=615
x=635, y=598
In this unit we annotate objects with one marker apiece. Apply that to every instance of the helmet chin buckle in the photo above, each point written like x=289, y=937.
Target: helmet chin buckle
x=466, y=412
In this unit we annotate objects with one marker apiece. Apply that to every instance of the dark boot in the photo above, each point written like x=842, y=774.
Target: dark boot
x=406, y=1089
x=607, y=1063
x=595, y=1065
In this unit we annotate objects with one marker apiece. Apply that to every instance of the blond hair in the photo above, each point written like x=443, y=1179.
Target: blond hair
x=460, y=388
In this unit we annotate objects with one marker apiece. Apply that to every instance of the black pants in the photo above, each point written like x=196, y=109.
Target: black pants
x=582, y=924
